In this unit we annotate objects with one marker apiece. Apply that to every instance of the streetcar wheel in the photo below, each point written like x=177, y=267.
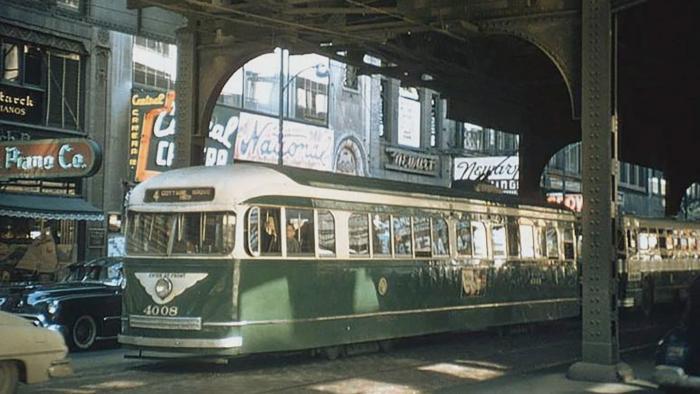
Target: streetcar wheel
x=333, y=352
x=83, y=333
x=9, y=375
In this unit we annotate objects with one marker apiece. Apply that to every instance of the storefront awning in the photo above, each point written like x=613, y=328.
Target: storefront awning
x=48, y=207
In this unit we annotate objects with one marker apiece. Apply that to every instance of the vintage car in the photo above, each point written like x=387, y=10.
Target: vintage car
x=85, y=306
x=32, y=355
x=678, y=353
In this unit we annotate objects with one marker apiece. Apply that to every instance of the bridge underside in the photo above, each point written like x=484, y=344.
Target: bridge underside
x=511, y=65
x=554, y=71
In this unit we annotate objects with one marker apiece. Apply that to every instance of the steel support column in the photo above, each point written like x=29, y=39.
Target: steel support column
x=600, y=347
x=186, y=110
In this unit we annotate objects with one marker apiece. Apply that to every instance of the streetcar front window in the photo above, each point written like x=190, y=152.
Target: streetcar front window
x=163, y=234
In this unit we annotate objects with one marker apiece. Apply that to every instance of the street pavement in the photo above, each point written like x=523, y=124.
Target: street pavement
x=513, y=361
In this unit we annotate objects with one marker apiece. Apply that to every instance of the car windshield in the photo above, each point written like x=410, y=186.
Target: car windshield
x=94, y=273
x=161, y=234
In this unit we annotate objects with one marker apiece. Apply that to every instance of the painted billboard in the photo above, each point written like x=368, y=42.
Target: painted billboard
x=501, y=171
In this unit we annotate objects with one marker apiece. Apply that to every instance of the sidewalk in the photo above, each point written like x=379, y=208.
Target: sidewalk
x=553, y=380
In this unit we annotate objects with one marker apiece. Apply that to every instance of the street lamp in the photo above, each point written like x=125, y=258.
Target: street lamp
x=321, y=71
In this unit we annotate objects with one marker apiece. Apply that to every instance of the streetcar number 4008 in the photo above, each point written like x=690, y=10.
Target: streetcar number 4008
x=154, y=310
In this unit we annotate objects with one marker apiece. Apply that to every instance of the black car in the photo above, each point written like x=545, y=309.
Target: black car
x=678, y=354
x=85, y=306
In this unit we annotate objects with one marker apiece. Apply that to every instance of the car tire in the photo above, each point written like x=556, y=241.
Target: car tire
x=9, y=376
x=83, y=333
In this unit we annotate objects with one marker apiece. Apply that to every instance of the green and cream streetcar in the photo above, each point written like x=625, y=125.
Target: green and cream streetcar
x=243, y=259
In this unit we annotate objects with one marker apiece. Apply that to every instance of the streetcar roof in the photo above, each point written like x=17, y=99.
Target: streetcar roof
x=241, y=182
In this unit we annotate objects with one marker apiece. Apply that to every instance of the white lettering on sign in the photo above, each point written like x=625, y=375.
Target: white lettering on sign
x=66, y=160
x=165, y=153
x=223, y=134
x=497, y=168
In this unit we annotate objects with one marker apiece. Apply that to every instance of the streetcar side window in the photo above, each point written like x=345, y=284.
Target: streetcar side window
x=643, y=240
x=381, y=235
x=498, y=240
x=421, y=232
x=402, y=235
x=440, y=238
x=326, y=234
x=479, y=239
x=568, y=243
x=358, y=228
x=552, y=241
x=300, y=232
x=253, y=231
x=513, y=237
x=527, y=241
x=464, y=237
x=270, y=232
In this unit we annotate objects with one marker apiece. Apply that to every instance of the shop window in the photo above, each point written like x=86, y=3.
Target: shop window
x=434, y=100
x=402, y=236
x=440, y=237
x=326, y=233
x=421, y=232
x=527, y=241
x=552, y=242
x=358, y=228
x=498, y=240
x=409, y=125
x=63, y=91
x=472, y=137
x=464, y=237
x=11, y=61
x=383, y=91
x=568, y=243
x=381, y=235
x=351, y=80
x=300, y=232
x=307, y=88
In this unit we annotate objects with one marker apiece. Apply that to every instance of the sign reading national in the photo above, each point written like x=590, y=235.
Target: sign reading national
x=49, y=158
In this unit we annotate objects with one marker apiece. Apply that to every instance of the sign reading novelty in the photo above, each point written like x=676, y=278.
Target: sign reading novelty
x=502, y=171
x=409, y=161
x=21, y=104
x=50, y=158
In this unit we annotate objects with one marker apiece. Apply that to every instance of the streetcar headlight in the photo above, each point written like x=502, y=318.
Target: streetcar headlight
x=163, y=287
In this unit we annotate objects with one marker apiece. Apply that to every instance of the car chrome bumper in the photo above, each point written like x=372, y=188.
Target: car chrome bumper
x=670, y=376
x=60, y=369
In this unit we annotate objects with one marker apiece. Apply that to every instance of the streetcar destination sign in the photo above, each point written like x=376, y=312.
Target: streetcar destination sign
x=49, y=158
x=180, y=194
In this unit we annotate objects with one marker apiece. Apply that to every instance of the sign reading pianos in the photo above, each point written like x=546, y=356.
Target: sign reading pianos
x=49, y=158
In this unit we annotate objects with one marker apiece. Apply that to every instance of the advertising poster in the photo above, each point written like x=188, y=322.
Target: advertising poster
x=151, y=133
x=223, y=128
x=304, y=145
x=501, y=171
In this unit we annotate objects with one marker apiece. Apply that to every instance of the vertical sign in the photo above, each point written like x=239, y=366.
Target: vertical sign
x=151, y=134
